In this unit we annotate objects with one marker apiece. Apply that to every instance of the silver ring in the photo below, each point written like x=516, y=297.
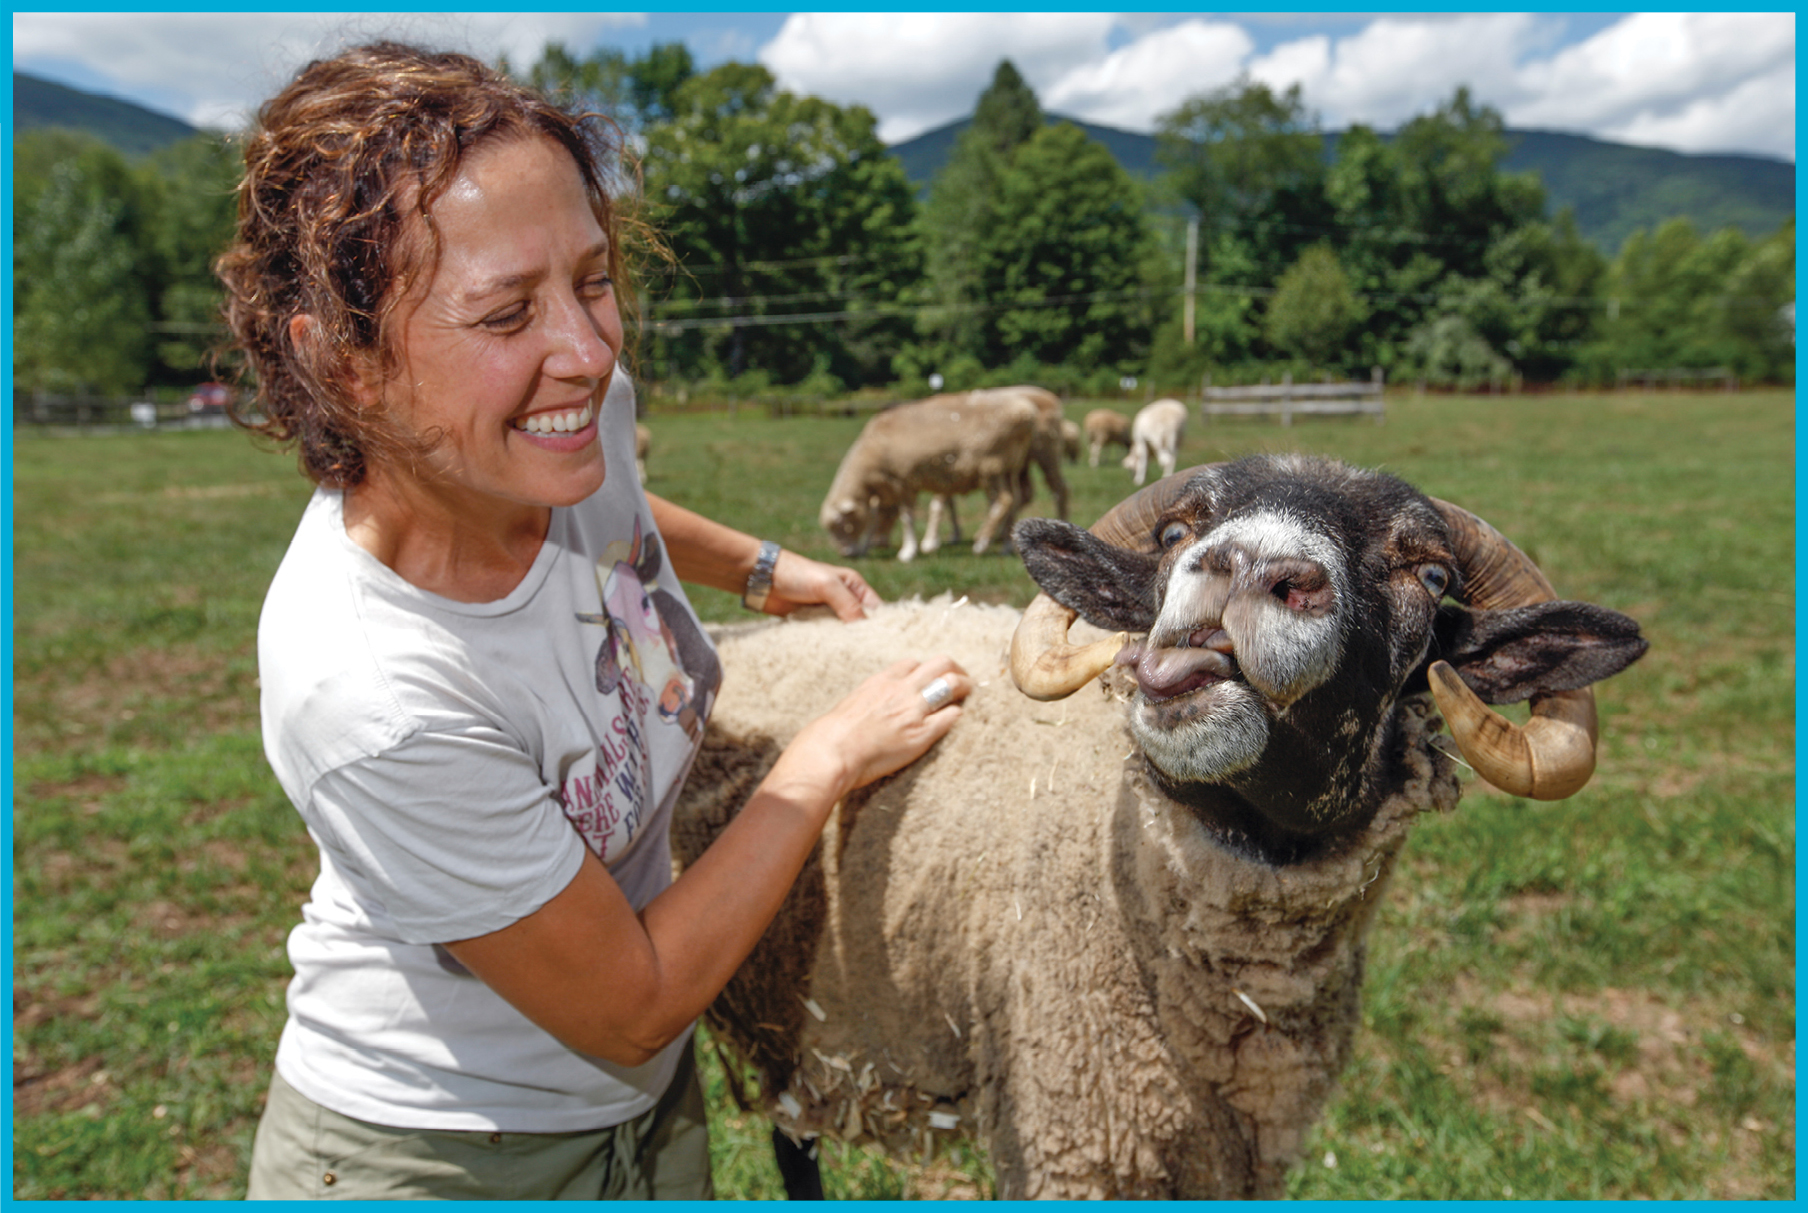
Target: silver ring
x=937, y=693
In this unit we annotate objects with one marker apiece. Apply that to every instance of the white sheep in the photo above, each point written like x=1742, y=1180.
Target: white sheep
x=1157, y=429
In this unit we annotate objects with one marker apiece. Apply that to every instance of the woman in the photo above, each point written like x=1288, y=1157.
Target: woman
x=482, y=684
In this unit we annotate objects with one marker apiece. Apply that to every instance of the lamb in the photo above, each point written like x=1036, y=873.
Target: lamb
x=942, y=445
x=1120, y=937
x=1071, y=440
x=1105, y=427
x=1158, y=428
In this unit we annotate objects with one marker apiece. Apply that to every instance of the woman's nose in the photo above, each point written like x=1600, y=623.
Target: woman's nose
x=587, y=340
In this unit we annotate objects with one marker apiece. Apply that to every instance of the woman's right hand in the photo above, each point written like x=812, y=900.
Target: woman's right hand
x=886, y=723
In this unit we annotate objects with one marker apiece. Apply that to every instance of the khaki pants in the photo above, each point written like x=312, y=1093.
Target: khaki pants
x=306, y=1152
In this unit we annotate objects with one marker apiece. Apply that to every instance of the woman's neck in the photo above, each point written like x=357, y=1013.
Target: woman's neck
x=445, y=540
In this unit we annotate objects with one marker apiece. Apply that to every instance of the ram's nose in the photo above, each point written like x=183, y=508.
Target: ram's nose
x=1299, y=582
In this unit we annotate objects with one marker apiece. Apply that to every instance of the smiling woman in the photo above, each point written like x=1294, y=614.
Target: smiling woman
x=482, y=684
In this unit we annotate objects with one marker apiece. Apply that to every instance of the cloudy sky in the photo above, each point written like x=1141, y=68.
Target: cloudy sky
x=1693, y=82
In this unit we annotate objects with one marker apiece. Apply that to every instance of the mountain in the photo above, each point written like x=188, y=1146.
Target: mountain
x=1615, y=188
x=129, y=128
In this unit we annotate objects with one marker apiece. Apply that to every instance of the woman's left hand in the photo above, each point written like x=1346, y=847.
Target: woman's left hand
x=799, y=581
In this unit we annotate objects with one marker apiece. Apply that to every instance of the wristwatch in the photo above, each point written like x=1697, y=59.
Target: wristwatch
x=759, y=582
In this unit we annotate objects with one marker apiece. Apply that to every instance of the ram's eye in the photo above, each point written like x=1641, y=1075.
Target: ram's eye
x=1435, y=578
x=1172, y=534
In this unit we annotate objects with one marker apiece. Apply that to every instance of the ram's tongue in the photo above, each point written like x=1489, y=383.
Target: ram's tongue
x=1163, y=673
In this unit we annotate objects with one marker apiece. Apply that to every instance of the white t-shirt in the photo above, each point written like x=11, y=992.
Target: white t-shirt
x=451, y=761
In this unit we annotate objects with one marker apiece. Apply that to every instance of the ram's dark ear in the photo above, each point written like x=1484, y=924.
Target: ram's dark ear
x=1507, y=656
x=1111, y=588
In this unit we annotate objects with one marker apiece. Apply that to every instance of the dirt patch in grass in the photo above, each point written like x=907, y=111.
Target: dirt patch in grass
x=1661, y=1073
x=66, y=1089
x=196, y=687
x=89, y=792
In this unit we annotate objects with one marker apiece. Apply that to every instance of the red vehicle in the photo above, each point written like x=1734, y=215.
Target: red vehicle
x=209, y=398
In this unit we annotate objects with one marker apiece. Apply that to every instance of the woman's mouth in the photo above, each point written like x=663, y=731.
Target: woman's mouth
x=557, y=421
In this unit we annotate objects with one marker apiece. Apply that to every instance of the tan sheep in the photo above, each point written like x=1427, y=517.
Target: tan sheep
x=943, y=445
x=1105, y=427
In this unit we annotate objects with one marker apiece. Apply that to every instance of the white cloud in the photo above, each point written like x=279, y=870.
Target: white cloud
x=1691, y=81
x=1398, y=67
x=919, y=70
x=217, y=67
x=1134, y=85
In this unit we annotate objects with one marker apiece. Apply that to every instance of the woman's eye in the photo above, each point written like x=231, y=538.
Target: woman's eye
x=598, y=286
x=1172, y=534
x=509, y=318
x=1435, y=578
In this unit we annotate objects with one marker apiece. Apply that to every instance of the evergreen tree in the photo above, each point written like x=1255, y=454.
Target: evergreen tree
x=962, y=206
x=1062, y=275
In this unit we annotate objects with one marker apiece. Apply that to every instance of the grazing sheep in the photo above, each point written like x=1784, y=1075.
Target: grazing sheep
x=643, y=442
x=1158, y=428
x=1120, y=938
x=942, y=446
x=1046, y=449
x=1105, y=427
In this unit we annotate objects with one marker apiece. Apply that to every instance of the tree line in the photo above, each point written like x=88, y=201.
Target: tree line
x=791, y=249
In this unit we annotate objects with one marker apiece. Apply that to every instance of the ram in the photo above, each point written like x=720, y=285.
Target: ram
x=1114, y=924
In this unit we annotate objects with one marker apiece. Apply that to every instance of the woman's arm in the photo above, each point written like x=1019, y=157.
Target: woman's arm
x=621, y=986
x=705, y=552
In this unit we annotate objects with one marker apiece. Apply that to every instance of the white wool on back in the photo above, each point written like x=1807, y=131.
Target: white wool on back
x=1019, y=937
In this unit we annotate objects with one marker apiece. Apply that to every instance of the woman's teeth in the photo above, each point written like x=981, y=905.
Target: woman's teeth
x=557, y=423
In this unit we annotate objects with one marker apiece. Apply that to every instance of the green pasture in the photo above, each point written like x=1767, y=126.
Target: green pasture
x=1593, y=998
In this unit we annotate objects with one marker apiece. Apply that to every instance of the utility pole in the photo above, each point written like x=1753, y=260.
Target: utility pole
x=1192, y=261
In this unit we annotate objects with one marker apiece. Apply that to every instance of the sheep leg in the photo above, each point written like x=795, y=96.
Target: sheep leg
x=1167, y=455
x=907, y=548
x=932, y=529
x=1004, y=508
x=1097, y=449
x=797, y=1167
x=1139, y=461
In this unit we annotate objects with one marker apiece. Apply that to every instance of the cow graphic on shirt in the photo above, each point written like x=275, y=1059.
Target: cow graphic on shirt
x=650, y=637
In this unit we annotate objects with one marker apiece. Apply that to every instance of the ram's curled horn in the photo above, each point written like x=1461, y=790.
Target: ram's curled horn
x=1554, y=754
x=1044, y=664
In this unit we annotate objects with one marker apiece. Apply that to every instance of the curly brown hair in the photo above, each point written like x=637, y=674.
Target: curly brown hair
x=341, y=169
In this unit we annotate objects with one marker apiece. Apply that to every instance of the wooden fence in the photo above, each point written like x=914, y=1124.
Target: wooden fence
x=1287, y=399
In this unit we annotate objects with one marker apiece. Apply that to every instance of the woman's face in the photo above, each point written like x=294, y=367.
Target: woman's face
x=506, y=352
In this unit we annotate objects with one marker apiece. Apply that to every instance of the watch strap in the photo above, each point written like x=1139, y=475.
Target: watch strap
x=759, y=582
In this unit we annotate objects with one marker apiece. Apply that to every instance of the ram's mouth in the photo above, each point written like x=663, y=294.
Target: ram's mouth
x=1201, y=658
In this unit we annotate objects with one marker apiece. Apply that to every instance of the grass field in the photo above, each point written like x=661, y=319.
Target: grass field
x=1593, y=998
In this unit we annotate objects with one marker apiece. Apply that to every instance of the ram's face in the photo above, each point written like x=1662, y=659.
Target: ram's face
x=1280, y=614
